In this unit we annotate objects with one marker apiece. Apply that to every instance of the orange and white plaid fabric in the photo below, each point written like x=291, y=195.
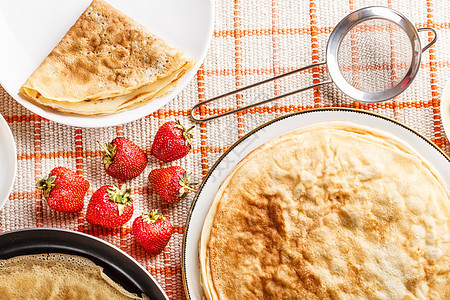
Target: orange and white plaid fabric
x=253, y=40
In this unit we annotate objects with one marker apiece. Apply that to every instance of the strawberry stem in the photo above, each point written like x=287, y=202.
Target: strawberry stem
x=46, y=184
x=186, y=185
x=121, y=196
x=108, y=154
x=188, y=136
x=152, y=216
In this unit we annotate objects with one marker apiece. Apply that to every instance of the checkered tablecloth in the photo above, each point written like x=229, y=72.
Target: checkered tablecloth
x=253, y=40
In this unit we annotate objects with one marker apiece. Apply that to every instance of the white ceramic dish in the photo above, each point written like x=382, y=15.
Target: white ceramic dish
x=267, y=132
x=445, y=108
x=31, y=29
x=8, y=161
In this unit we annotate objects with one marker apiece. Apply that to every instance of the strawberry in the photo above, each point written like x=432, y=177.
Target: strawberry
x=64, y=190
x=123, y=159
x=172, y=141
x=110, y=206
x=172, y=184
x=152, y=231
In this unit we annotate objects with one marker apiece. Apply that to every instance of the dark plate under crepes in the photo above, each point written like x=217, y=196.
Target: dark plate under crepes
x=118, y=265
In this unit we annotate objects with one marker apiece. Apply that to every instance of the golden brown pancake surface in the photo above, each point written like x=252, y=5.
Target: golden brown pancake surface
x=331, y=211
x=57, y=276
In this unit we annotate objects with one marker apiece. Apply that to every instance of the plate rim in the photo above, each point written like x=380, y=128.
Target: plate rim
x=241, y=139
x=11, y=144
x=91, y=237
x=75, y=120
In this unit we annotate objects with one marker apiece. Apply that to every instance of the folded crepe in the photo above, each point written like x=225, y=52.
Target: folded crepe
x=57, y=276
x=106, y=63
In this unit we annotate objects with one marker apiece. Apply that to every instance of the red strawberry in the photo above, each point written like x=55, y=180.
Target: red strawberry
x=172, y=184
x=110, y=206
x=172, y=141
x=64, y=190
x=123, y=159
x=152, y=231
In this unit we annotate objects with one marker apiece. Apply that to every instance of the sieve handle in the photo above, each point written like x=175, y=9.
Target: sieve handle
x=432, y=41
x=197, y=106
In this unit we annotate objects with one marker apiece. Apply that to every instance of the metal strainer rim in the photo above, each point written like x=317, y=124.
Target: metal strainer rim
x=344, y=27
x=336, y=37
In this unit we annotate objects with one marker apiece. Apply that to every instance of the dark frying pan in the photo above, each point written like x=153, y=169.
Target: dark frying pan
x=118, y=265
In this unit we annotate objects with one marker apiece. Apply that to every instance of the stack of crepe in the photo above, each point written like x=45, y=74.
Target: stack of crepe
x=57, y=276
x=106, y=63
x=330, y=211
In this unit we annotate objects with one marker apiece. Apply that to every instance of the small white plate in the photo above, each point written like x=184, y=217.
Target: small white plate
x=445, y=109
x=8, y=161
x=31, y=29
x=225, y=164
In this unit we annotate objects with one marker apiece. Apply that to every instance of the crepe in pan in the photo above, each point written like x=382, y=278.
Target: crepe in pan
x=57, y=276
x=106, y=63
x=329, y=211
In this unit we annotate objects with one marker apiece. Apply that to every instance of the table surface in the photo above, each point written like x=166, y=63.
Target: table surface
x=252, y=40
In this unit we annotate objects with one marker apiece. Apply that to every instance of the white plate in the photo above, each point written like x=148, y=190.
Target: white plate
x=8, y=161
x=267, y=132
x=31, y=29
x=445, y=108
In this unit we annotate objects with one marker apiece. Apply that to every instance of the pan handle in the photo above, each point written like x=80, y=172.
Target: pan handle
x=432, y=41
x=197, y=106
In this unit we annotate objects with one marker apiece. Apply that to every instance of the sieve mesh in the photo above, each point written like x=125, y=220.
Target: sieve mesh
x=375, y=55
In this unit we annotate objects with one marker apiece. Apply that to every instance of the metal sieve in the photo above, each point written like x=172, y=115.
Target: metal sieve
x=372, y=55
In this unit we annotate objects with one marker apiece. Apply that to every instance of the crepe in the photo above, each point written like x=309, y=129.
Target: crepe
x=106, y=63
x=330, y=211
x=57, y=276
